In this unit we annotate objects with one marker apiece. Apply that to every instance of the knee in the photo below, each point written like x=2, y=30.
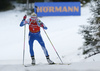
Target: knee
x=42, y=44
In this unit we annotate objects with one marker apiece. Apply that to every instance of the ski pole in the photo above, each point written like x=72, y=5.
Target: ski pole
x=53, y=47
x=24, y=43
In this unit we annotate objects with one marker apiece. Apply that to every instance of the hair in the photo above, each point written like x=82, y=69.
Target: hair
x=33, y=14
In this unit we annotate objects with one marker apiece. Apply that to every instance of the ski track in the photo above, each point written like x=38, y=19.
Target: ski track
x=83, y=66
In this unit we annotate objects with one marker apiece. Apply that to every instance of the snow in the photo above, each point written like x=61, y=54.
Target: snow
x=63, y=32
x=79, y=66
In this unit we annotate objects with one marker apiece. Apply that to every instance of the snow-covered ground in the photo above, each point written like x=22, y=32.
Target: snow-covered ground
x=89, y=66
x=63, y=32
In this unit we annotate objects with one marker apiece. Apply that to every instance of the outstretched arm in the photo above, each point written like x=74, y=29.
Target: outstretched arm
x=23, y=22
x=41, y=24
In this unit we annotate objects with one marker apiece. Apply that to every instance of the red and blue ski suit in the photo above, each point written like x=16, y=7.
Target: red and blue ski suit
x=34, y=33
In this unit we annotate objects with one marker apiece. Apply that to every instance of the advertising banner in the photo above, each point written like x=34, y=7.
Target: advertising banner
x=58, y=8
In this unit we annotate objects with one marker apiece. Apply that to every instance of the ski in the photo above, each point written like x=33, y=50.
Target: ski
x=62, y=64
x=29, y=65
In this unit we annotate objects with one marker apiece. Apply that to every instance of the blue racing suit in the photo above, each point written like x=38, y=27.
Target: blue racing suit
x=35, y=36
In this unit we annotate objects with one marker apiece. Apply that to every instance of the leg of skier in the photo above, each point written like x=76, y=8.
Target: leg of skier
x=41, y=42
x=31, y=40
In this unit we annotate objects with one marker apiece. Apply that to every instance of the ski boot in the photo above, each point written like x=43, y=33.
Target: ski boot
x=33, y=60
x=49, y=61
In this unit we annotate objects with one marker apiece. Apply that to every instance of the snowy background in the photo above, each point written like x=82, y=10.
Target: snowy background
x=64, y=34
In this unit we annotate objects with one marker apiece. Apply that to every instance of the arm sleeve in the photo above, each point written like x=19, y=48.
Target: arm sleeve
x=24, y=22
x=39, y=22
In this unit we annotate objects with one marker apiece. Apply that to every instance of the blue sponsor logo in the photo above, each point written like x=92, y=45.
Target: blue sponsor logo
x=58, y=9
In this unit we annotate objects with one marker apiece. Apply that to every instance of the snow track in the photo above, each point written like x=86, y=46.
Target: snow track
x=80, y=66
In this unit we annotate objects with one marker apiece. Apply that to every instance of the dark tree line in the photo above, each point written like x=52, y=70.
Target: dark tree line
x=5, y=4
